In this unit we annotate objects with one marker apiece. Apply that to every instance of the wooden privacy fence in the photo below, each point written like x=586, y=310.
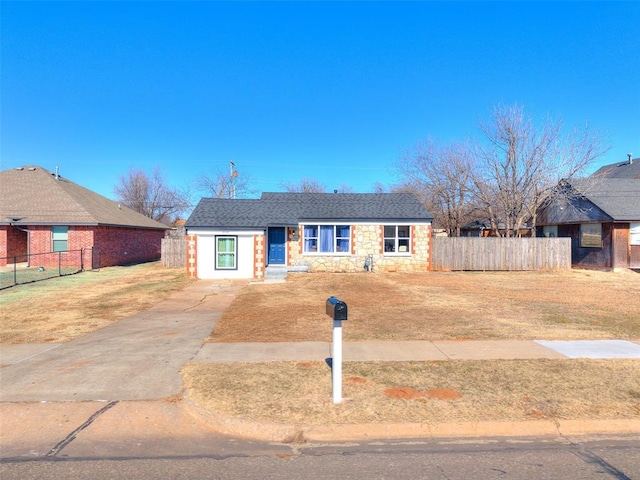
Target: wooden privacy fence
x=174, y=252
x=499, y=253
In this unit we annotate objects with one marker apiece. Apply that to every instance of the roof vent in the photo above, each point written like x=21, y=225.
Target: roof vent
x=19, y=168
x=32, y=169
x=630, y=155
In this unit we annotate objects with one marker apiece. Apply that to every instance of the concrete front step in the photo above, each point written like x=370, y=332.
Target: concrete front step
x=275, y=273
x=280, y=272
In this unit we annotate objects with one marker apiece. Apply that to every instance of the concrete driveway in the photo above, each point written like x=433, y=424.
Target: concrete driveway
x=138, y=358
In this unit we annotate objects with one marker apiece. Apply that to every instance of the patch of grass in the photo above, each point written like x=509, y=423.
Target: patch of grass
x=439, y=306
x=65, y=308
x=300, y=392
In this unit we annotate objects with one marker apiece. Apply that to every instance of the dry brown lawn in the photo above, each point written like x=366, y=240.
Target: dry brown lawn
x=299, y=393
x=577, y=304
x=61, y=309
x=433, y=306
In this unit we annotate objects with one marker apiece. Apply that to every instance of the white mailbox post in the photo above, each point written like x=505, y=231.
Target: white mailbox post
x=337, y=310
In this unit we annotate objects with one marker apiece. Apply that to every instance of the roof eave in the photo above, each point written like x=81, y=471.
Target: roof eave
x=83, y=224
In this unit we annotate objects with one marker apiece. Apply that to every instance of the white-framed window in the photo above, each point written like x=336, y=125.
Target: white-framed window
x=634, y=233
x=59, y=238
x=591, y=235
x=327, y=238
x=226, y=253
x=397, y=239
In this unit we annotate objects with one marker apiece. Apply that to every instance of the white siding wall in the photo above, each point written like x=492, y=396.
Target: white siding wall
x=206, y=254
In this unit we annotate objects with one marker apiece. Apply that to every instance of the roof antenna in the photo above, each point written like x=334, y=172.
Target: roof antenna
x=233, y=173
x=630, y=155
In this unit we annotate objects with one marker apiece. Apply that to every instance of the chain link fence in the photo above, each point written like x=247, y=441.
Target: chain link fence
x=21, y=269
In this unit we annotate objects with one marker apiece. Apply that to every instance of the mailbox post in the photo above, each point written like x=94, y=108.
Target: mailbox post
x=337, y=310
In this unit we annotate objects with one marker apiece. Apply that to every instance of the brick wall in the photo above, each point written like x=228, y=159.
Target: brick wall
x=106, y=246
x=40, y=239
x=121, y=246
x=70, y=259
x=3, y=245
x=13, y=242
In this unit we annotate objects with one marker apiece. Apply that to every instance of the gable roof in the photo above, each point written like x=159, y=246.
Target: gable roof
x=35, y=196
x=595, y=200
x=619, y=198
x=620, y=170
x=274, y=209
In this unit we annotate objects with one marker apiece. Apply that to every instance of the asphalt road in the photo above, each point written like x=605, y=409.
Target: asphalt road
x=220, y=457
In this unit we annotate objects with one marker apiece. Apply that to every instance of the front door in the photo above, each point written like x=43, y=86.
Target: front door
x=276, y=246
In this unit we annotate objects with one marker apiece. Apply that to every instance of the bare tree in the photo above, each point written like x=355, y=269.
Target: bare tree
x=378, y=187
x=226, y=185
x=507, y=177
x=519, y=165
x=306, y=185
x=344, y=188
x=151, y=196
x=440, y=175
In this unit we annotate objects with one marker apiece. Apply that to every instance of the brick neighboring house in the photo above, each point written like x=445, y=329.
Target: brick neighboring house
x=333, y=232
x=42, y=212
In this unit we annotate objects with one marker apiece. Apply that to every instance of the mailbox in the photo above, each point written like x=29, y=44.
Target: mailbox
x=336, y=309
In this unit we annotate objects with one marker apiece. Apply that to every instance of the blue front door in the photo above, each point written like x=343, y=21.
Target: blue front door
x=276, y=240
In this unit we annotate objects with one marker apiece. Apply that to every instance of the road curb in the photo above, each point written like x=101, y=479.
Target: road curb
x=531, y=428
x=267, y=432
x=284, y=433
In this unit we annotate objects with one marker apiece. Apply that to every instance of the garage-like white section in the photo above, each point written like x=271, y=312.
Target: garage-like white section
x=225, y=253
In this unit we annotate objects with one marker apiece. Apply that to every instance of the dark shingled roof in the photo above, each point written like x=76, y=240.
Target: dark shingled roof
x=617, y=197
x=620, y=170
x=36, y=197
x=293, y=208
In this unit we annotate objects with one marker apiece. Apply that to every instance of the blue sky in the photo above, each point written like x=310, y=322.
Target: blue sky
x=335, y=91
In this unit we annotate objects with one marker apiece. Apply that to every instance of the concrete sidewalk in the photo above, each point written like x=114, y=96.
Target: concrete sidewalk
x=418, y=350
x=30, y=356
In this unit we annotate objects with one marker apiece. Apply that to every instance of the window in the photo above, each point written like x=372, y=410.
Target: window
x=327, y=238
x=550, y=231
x=59, y=238
x=635, y=234
x=397, y=239
x=226, y=253
x=591, y=235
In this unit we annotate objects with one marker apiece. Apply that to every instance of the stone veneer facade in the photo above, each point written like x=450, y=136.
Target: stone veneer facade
x=366, y=240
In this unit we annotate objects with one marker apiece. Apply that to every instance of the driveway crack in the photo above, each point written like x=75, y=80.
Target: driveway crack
x=200, y=302
x=72, y=436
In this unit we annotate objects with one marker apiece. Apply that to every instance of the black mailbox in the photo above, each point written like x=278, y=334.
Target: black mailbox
x=336, y=309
